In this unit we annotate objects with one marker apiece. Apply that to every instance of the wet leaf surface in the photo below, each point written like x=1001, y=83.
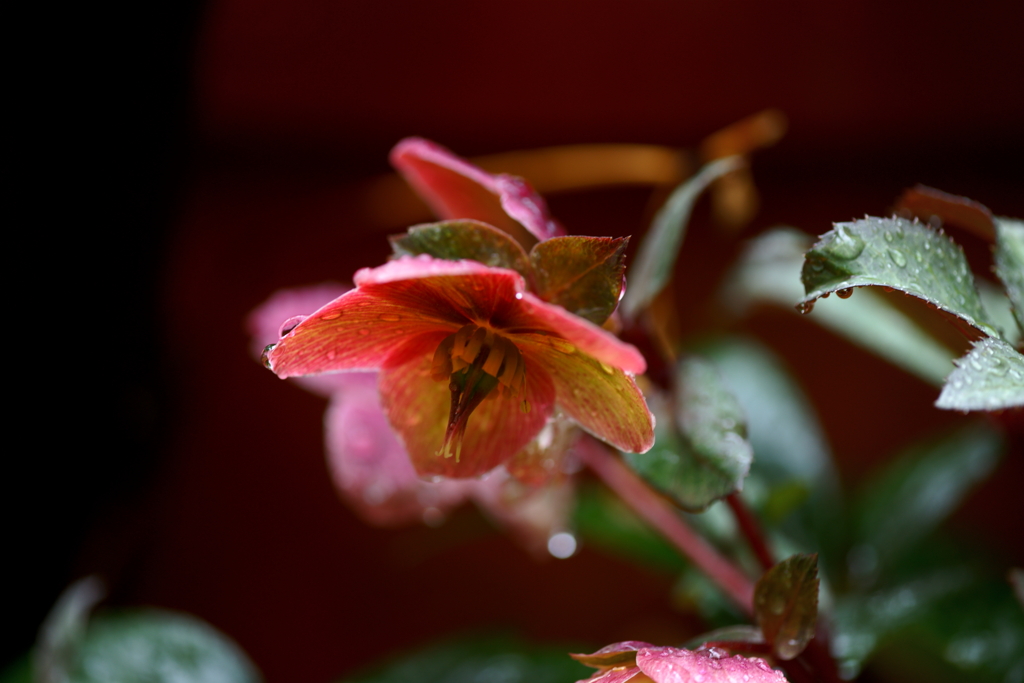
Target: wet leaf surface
x=786, y=604
x=463, y=239
x=989, y=377
x=898, y=254
x=581, y=274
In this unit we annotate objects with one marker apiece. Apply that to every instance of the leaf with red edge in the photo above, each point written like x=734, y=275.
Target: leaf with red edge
x=924, y=202
x=581, y=274
x=616, y=654
x=786, y=604
x=463, y=239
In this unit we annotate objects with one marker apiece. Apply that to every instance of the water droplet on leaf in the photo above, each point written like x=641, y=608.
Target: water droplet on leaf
x=897, y=257
x=846, y=245
x=805, y=307
x=844, y=293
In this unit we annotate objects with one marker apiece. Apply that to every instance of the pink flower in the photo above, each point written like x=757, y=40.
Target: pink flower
x=455, y=188
x=472, y=365
x=639, y=662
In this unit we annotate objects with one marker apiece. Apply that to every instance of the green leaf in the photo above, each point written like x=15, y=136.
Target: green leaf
x=581, y=274
x=604, y=521
x=786, y=604
x=157, y=646
x=478, y=660
x=1009, y=255
x=707, y=455
x=659, y=250
x=920, y=489
x=989, y=377
x=463, y=239
x=769, y=271
x=899, y=254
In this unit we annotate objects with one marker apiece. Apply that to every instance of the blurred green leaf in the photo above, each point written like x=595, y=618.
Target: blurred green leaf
x=786, y=604
x=581, y=274
x=769, y=271
x=920, y=489
x=478, y=660
x=19, y=671
x=463, y=239
x=604, y=521
x=899, y=254
x=157, y=646
x=656, y=258
x=707, y=456
x=989, y=377
x=1009, y=256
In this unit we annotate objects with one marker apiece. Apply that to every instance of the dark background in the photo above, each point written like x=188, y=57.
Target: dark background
x=199, y=156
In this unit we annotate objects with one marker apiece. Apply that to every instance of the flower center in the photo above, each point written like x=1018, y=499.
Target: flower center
x=475, y=361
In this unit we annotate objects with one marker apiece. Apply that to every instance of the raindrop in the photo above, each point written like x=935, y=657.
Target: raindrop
x=390, y=317
x=826, y=295
x=897, y=257
x=846, y=245
x=607, y=368
x=805, y=307
x=290, y=324
x=331, y=354
x=333, y=315
x=562, y=545
x=265, y=356
x=365, y=332
x=887, y=235
x=845, y=292
x=919, y=256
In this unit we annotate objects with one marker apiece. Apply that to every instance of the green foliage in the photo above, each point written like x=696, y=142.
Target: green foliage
x=581, y=274
x=1009, y=257
x=786, y=604
x=463, y=239
x=898, y=254
x=989, y=377
x=703, y=454
x=478, y=660
x=659, y=250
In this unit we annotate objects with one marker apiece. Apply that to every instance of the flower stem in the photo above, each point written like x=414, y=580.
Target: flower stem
x=665, y=518
x=751, y=530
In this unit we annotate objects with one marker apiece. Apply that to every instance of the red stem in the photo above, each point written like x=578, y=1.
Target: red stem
x=751, y=530
x=664, y=517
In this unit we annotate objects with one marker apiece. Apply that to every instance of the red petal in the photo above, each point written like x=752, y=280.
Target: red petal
x=534, y=313
x=672, y=665
x=391, y=305
x=455, y=188
x=417, y=406
x=603, y=400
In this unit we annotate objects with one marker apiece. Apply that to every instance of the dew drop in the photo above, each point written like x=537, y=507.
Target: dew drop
x=608, y=370
x=333, y=315
x=265, y=356
x=897, y=257
x=826, y=295
x=846, y=245
x=331, y=354
x=805, y=307
x=919, y=256
x=365, y=332
x=562, y=545
x=845, y=292
x=887, y=235
x=390, y=317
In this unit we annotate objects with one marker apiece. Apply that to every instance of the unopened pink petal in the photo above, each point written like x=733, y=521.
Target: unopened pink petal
x=418, y=405
x=583, y=334
x=455, y=188
x=617, y=675
x=602, y=399
x=674, y=665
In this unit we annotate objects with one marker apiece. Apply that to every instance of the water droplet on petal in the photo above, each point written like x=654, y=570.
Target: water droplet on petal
x=331, y=354
x=333, y=315
x=519, y=295
x=897, y=257
x=364, y=332
x=265, y=356
x=844, y=293
x=390, y=317
x=607, y=368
